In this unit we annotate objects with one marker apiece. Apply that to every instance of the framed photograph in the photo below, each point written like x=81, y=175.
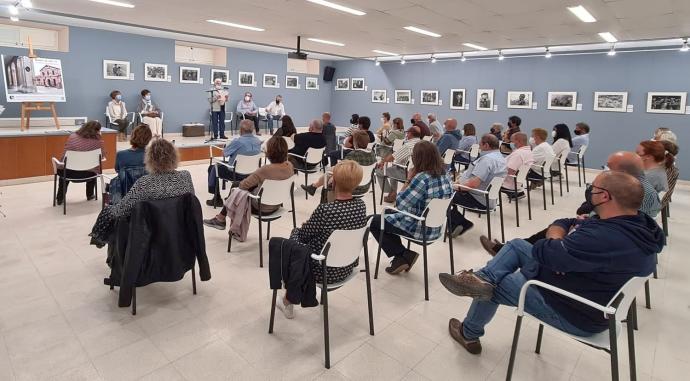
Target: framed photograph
x=429, y=97
x=666, y=103
x=245, y=78
x=611, y=101
x=520, y=99
x=291, y=82
x=271, y=80
x=403, y=96
x=562, y=100
x=116, y=69
x=342, y=84
x=485, y=99
x=190, y=74
x=155, y=72
x=357, y=84
x=378, y=96
x=312, y=83
x=457, y=99
x=224, y=76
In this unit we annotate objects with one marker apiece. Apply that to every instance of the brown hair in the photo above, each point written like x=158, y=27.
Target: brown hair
x=670, y=146
x=398, y=124
x=114, y=93
x=540, y=133
x=468, y=129
x=276, y=149
x=360, y=139
x=658, y=152
x=490, y=140
x=90, y=130
x=426, y=158
x=387, y=116
x=347, y=175
x=161, y=156
x=141, y=136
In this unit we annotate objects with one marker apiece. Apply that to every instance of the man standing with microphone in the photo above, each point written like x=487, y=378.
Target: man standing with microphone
x=218, y=98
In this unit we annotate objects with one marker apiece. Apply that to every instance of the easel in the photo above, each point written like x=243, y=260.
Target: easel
x=28, y=107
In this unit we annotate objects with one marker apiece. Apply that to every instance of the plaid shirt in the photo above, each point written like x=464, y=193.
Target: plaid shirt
x=414, y=199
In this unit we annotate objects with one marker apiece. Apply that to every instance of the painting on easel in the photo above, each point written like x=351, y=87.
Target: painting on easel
x=33, y=79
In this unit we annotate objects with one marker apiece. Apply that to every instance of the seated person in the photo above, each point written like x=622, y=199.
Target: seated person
x=450, y=138
x=248, y=145
x=656, y=160
x=279, y=168
x=117, y=112
x=363, y=125
x=162, y=181
x=129, y=164
x=561, y=142
x=312, y=139
x=400, y=157
x=426, y=181
x=275, y=111
x=541, y=150
x=497, y=130
x=86, y=138
x=469, y=138
x=385, y=126
x=287, y=128
x=346, y=213
x=592, y=257
x=514, y=123
x=150, y=113
x=329, y=133
x=521, y=155
x=664, y=133
x=581, y=139
x=248, y=110
x=478, y=175
x=435, y=127
x=396, y=132
x=423, y=128
x=359, y=154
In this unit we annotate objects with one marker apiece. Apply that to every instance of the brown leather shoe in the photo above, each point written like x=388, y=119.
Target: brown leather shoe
x=390, y=198
x=455, y=330
x=488, y=245
x=467, y=283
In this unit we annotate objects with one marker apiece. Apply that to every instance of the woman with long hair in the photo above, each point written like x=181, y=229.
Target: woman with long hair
x=562, y=141
x=287, y=128
x=656, y=160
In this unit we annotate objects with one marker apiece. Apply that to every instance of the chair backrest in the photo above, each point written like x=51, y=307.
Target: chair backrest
x=290, y=142
x=314, y=155
x=437, y=212
x=397, y=143
x=474, y=151
x=628, y=293
x=495, y=187
x=521, y=176
x=345, y=246
x=262, y=111
x=427, y=138
x=547, y=166
x=107, y=114
x=370, y=146
x=247, y=164
x=82, y=160
x=582, y=151
x=564, y=157
x=366, y=174
x=276, y=192
x=448, y=156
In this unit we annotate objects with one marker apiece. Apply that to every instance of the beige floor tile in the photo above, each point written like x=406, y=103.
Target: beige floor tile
x=130, y=362
x=214, y=361
x=182, y=338
x=368, y=363
x=402, y=344
x=166, y=373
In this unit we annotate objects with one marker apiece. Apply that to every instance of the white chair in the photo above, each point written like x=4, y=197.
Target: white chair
x=243, y=165
x=290, y=142
x=427, y=138
x=141, y=120
x=620, y=307
x=272, y=193
x=312, y=158
x=397, y=143
x=473, y=154
x=520, y=181
x=368, y=179
x=109, y=120
x=580, y=155
x=561, y=160
x=543, y=169
x=75, y=161
x=409, y=165
x=434, y=216
x=342, y=249
x=492, y=193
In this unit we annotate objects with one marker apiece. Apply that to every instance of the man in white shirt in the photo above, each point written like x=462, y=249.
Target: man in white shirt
x=274, y=111
x=521, y=156
x=541, y=150
x=435, y=127
x=399, y=157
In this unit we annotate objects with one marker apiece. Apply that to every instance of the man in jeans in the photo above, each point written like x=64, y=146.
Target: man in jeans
x=592, y=258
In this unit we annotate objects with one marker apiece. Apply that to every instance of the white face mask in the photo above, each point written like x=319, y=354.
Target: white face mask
x=553, y=134
x=246, y=99
x=532, y=142
x=218, y=85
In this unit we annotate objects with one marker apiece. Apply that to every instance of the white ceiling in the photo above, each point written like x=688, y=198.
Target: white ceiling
x=495, y=24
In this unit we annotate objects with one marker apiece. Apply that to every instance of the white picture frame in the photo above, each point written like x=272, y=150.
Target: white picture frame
x=223, y=74
x=485, y=100
x=311, y=83
x=271, y=80
x=190, y=74
x=342, y=84
x=520, y=99
x=357, y=84
x=291, y=82
x=246, y=79
x=379, y=96
x=655, y=105
x=113, y=69
x=562, y=100
x=155, y=72
x=611, y=101
x=458, y=98
x=428, y=97
x=403, y=96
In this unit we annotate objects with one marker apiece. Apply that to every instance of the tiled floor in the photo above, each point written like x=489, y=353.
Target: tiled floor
x=58, y=321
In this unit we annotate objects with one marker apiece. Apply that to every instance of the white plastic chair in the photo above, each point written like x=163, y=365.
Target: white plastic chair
x=243, y=165
x=561, y=160
x=520, y=181
x=473, y=154
x=397, y=143
x=313, y=157
x=620, y=307
x=272, y=193
x=427, y=138
x=492, y=193
x=368, y=179
x=342, y=249
x=76, y=161
x=543, y=169
x=434, y=216
x=290, y=142
x=580, y=155
x=141, y=120
x=109, y=120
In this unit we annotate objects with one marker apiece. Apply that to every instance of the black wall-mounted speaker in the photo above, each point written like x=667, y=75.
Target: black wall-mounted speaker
x=328, y=73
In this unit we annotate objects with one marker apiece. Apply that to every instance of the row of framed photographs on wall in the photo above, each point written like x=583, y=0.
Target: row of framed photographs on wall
x=617, y=101
x=192, y=75
x=356, y=84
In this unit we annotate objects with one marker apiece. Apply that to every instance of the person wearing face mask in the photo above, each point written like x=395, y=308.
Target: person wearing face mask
x=592, y=258
x=150, y=113
x=218, y=97
x=118, y=114
x=275, y=111
x=541, y=150
x=562, y=142
x=514, y=123
x=521, y=156
x=581, y=139
x=385, y=126
x=246, y=109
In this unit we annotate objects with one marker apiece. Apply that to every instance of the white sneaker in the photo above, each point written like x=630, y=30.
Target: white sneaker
x=288, y=310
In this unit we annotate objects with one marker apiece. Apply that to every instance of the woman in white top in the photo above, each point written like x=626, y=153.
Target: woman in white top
x=118, y=114
x=274, y=111
x=150, y=113
x=562, y=143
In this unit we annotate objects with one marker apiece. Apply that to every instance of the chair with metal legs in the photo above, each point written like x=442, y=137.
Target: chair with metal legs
x=492, y=193
x=409, y=165
x=520, y=181
x=369, y=179
x=580, y=164
x=243, y=165
x=544, y=170
x=473, y=154
x=561, y=160
x=76, y=161
x=312, y=159
x=342, y=249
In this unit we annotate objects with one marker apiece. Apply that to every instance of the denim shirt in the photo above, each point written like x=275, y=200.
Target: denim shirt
x=246, y=144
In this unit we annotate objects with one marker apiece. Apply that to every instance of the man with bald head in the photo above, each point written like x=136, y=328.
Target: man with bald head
x=312, y=139
x=520, y=156
x=450, y=138
x=591, y=257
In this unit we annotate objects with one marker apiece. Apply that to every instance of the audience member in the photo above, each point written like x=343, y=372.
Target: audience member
x=287, y=128
x=672, y=172
x=363, y=125
x=150, y=113
x=581, y=139
x=561, y=143
x=118, y=114
x=521, y=156
x=314, y=138
x=385, y=126
x=397, y=173
x=134, y=156
x=541, y=151
x=86, y=138
x=469, y=138
x=275, y=111
x=497, y=130
x=426, y=181
x=656, y=160
x=514, y=123
x=218, y=98
x=435, y=127
x=450, y=138
x=664, y=133
x=416, y=117
x=423, y=128
x=329, y=132
x=397, y=132
x=591, y=257
x=247, y=109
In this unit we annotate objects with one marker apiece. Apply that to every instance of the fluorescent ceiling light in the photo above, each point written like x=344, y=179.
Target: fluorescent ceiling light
x=385, y=53
x=473, y=46
x=320, y=41
x=422, y=31
x=608, y=37
x=26, y=4
x=236, y=25
x=338, y=7
x=13, y=10
x=685, y=47
x=582, y=13
x=115, y=3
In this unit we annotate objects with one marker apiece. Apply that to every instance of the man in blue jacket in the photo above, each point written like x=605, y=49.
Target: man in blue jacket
x=450, y=138
x=591, y=257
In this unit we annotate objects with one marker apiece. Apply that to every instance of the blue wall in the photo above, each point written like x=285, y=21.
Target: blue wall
x=636, y=73
x=88, y=92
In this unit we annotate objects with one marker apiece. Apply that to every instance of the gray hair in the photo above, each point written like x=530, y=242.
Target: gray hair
x=246, y=126
x=431, y=116
x=316, y=125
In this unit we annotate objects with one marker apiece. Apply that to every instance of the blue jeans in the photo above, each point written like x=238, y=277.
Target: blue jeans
x=502, y=272
x=218, y=122
x=271, y=120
